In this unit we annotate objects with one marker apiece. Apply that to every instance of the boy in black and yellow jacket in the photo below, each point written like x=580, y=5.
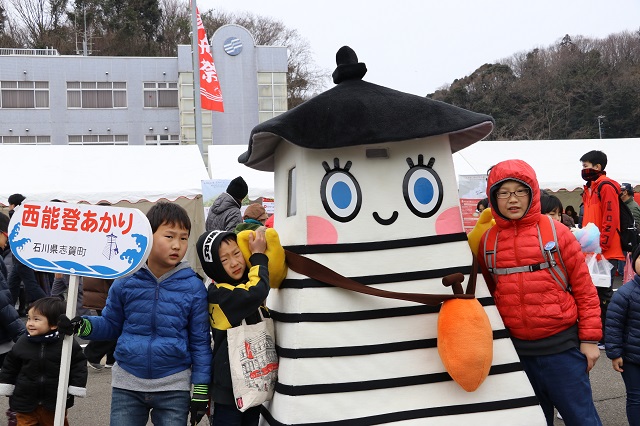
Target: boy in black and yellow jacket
x=242, y=268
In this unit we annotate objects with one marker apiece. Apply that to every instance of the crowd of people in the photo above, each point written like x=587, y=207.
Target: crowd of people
x=563, y=320
x=154, y=327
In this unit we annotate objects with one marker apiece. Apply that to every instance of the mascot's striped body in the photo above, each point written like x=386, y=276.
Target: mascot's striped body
x=384, y=212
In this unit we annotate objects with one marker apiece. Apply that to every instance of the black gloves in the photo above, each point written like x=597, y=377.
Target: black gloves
x=199, y=403
x=70, y=401
x=77, y=325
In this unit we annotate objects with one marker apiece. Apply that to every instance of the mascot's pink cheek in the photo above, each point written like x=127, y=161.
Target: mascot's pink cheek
x=449, y=222
x=320, y=231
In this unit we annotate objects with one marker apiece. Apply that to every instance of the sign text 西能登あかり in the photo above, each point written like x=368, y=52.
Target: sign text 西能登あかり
x=80, y=239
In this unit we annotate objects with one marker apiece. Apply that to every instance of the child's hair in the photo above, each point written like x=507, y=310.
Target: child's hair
x=484, y=203
x=549, y=203
x=570, y=211
x=169, y=213
x=227, y=238
x=16, y=199
x=4, y=223
x=50, y=307
x=595, y=157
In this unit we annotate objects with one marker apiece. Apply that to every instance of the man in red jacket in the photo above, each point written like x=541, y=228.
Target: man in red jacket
x=602, y=209
x=554, y=331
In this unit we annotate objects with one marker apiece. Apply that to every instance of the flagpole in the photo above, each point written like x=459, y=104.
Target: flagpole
x=196, y=77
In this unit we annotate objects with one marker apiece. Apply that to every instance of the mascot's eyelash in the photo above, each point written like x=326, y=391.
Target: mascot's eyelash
x=336, y=165
x=421, y=162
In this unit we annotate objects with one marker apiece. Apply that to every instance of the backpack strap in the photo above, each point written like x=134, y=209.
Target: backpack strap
x=550, y=252
x=489, y=248
x=606, y=182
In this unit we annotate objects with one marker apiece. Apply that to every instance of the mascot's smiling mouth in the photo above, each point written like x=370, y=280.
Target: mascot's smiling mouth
x=382, y=221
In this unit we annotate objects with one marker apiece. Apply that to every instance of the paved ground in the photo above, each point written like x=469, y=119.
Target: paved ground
x=608, y=394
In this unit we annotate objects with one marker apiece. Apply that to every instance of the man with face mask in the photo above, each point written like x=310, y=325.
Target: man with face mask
x=602, y=209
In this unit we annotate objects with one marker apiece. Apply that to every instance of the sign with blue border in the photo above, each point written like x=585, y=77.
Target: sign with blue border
x=80, y=239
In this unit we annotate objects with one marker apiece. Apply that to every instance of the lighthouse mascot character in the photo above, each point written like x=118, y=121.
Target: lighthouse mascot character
x=365, y=187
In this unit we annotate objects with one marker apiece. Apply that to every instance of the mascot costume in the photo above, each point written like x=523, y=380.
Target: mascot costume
x=367, y=203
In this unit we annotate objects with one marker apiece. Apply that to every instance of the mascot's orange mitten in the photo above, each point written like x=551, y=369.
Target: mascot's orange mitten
x=274, y=251
x=465, y=342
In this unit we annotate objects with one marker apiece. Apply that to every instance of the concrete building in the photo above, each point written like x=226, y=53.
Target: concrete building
x=47, y=98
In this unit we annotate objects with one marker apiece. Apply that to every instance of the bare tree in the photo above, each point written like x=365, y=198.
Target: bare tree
x=43, y=21
x=174, y=27
x=304, y=78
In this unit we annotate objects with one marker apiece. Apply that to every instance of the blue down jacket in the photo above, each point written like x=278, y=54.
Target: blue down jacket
x=622, y=327
x=162, y=327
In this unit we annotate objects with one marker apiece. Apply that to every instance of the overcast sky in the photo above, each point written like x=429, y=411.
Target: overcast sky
x=417, y=46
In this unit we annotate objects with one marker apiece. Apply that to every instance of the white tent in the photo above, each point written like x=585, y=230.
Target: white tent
x=223, y=164
x=126, y=176
x=556, y=162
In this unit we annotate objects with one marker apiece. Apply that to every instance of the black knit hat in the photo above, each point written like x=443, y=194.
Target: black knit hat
x=207, y=247
x=634, y=257
x=238, y=188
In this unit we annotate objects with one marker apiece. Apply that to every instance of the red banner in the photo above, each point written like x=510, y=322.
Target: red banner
x=210, y=94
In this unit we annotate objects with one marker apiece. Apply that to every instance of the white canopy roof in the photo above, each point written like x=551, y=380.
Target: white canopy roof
x=101, y=173
x=223, y=164
x=556, y=162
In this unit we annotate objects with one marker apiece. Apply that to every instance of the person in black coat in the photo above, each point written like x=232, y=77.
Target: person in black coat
x=30, y=371
x=11, y=327
x=622, y=338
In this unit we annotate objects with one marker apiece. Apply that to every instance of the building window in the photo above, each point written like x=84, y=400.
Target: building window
x=24, y=94
x=162, y=139
x=292, y=207
x=160, y=95
x=98, y=140
x=272, y=94
x=25, y=140
x=92, y=94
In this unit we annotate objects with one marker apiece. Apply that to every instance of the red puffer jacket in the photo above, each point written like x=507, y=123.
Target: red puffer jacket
x=532, y=304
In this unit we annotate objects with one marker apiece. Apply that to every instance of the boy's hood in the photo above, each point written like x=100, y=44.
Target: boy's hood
x=522, y=172
x=208, y=247
x=179, y=267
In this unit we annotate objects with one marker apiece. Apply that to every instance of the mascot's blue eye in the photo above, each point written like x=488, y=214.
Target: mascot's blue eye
x=422, y=190
x=340, y=193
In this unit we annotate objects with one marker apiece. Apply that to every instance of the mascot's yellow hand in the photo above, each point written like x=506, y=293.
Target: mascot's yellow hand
x=274, y=251
x=485, y=221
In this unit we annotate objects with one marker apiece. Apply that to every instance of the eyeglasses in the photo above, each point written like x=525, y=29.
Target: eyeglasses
x=518, y=193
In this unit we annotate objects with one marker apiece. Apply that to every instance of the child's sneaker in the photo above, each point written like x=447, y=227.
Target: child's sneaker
x=95, y=365
x=11, y=418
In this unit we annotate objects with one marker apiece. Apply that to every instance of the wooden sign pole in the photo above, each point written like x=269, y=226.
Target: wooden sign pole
x=65, y=361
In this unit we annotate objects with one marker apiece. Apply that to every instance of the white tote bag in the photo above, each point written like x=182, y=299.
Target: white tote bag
x=253, y=362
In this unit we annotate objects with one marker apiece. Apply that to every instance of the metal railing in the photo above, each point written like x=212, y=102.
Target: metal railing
x=49, y=51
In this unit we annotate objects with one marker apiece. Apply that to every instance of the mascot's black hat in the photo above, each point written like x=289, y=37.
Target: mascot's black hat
x=356, y=112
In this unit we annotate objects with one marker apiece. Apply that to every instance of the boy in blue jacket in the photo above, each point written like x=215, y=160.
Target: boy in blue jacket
x=159, y=317
x=622, y=338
